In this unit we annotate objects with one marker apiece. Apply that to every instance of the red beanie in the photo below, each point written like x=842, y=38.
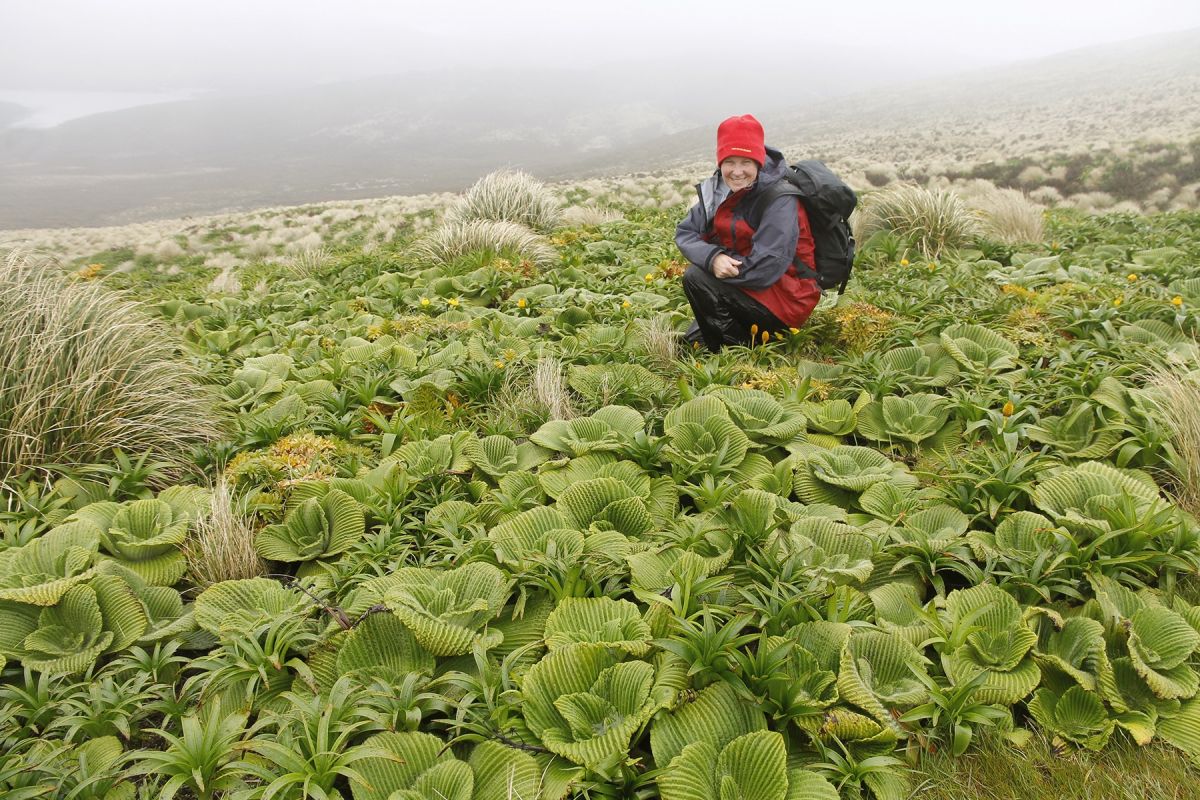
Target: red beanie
x=741, y=136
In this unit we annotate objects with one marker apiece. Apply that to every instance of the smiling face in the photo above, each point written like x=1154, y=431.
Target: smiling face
x=738, y=172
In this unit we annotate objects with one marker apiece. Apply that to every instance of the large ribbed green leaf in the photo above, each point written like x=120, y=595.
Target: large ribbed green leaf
x=585, y=706
x=535, y=534
x=834, y=417
x=924, y=366
x=1160, y=641
x=504, y=773
x=419, y=765
x=494, y=456
x=382, y=645
x=697, y=410
x=716, y=716
x=607, y=501
x=41, y=572
x=557, y=476
x=763, y=418
x=600, y=620
x=317, y=528
x=751, y=767
x=70, y=636
x=715, y=447
x=880, y=672
x=998, y=644
x=1080, y=433
x=830, y=548
x=912, y=419
x=897, y=610
x=1074, y=647
x=1076, y=715
x=1182, y=729
x=242, y=605
x=977, y=348
x=446, y=610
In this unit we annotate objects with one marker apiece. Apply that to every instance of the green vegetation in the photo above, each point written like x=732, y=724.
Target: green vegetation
x=481, y=528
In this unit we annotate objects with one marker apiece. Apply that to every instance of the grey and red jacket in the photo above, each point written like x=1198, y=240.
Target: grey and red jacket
x=768, y=253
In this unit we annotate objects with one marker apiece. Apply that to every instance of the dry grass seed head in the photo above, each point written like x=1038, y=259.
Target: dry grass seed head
x=1179, y=404
x=221, y=544
x=550, y=388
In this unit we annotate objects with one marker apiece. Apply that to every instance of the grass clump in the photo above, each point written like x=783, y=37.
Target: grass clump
x=458, y=238
x=509, y=196
x=87, y=373
x=1010, y=217
x=1179, y=404
x=933, y=220
x=221, y=544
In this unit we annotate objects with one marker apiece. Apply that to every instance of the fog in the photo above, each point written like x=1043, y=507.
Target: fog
x=150, y=46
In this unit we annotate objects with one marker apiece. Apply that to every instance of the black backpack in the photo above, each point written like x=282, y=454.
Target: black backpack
x=828, y=201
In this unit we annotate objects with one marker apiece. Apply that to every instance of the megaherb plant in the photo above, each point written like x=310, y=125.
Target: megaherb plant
x=487, y=543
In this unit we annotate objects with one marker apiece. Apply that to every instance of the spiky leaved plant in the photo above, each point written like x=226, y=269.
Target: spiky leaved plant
x=87, y=372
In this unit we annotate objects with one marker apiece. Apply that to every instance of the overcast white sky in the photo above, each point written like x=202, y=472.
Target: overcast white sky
x=170, y=45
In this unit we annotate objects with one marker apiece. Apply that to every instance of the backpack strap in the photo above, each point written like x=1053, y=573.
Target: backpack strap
x=754, y=212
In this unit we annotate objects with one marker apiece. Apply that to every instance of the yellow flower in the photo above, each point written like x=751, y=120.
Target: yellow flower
x=522, y=303
x=794, y=331
x=753, y=332
x=932, y=266
x=1008, y=409
x=766, y=337
x=90, y=271
x=424, y=301
x=499, y=364
x=1117, y=301
x=1177, y=301
x=904, y=262
x=452, y=302
x=1131, y=277
x=626, y=304
x=649, y=276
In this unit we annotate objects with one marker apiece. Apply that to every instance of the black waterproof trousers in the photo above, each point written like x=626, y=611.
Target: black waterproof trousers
x=724, y=313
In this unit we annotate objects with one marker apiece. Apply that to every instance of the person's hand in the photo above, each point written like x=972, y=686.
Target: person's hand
x=723, y=266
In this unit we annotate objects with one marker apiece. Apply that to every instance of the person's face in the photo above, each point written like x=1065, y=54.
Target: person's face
x=739, y=172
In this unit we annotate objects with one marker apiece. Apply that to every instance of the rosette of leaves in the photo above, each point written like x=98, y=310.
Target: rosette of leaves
x=925, y=366
x=789, y=682
x=41, y=572
x=497, y=456
x=609, y=429
x=543, y=532
x=231, y=607
x=1075, y=715
x=986, y=633
x=598, y=620
x=448, y=610
x=258, y=380
x=716, y=715
x=380, y=645
x=832, y=417
x=605, y=504
x=615, y=383
x=145, y=536
x=89, y=620
x=761, y=417
x=841, y=553
x=837, y=476
x=429, y=457
x=898, y=610
x=1072, y=647
x=315, y=527
x=916, y=420
x=882, y=672
x=752, y=767
x=704, y=440
x=1162, y=335
x=415, y=766
x=1029, y=555
x=660, y=494
x=584, y=704
x=1080, y=497
x=1081, y=433
x=977, y=348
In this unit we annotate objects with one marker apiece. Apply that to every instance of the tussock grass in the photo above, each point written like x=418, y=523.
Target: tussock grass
x=1040, y=771
x=511, y=196
x=590, y=215
x=87, y=372
x=934, y=220
x=1179, y=404
x=457, y=239
x=221, y=544
x=306, y=263
x=550, y=388
x=660, y=341
x=1010, y=217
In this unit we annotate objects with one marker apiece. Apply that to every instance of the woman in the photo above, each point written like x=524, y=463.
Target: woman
x=747, y=264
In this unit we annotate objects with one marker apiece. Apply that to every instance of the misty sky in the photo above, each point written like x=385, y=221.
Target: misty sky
x=172, y=45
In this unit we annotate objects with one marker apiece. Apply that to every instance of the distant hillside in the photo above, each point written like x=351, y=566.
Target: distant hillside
x=10, y=113
x=440, y=131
